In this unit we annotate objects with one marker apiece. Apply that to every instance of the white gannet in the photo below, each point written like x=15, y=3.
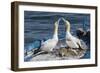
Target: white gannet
x=50, y=44
x=71, y=41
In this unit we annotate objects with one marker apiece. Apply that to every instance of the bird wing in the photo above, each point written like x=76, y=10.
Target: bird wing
x=46, y=42
x=72, y=42
x=49, y=45
x=78, y=42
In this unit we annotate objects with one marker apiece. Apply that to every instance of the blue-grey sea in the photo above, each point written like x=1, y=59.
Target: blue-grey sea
x=40, y=26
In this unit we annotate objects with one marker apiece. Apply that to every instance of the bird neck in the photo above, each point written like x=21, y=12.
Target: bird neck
x=55, y=35
x=68, y=34
x=67, y=27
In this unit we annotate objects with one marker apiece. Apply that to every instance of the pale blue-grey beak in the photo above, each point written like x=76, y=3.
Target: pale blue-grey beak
x=60, y=19
x=63, y=19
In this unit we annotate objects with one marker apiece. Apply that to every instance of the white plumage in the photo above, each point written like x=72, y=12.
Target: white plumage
x=50, y=44
x=71, y=41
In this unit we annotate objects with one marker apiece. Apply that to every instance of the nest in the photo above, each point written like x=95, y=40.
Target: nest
x=70, y=53
x=61, y=53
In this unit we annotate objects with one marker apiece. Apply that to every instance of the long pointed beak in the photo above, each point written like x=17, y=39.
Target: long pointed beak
x=63, y=19
x=59, y=20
